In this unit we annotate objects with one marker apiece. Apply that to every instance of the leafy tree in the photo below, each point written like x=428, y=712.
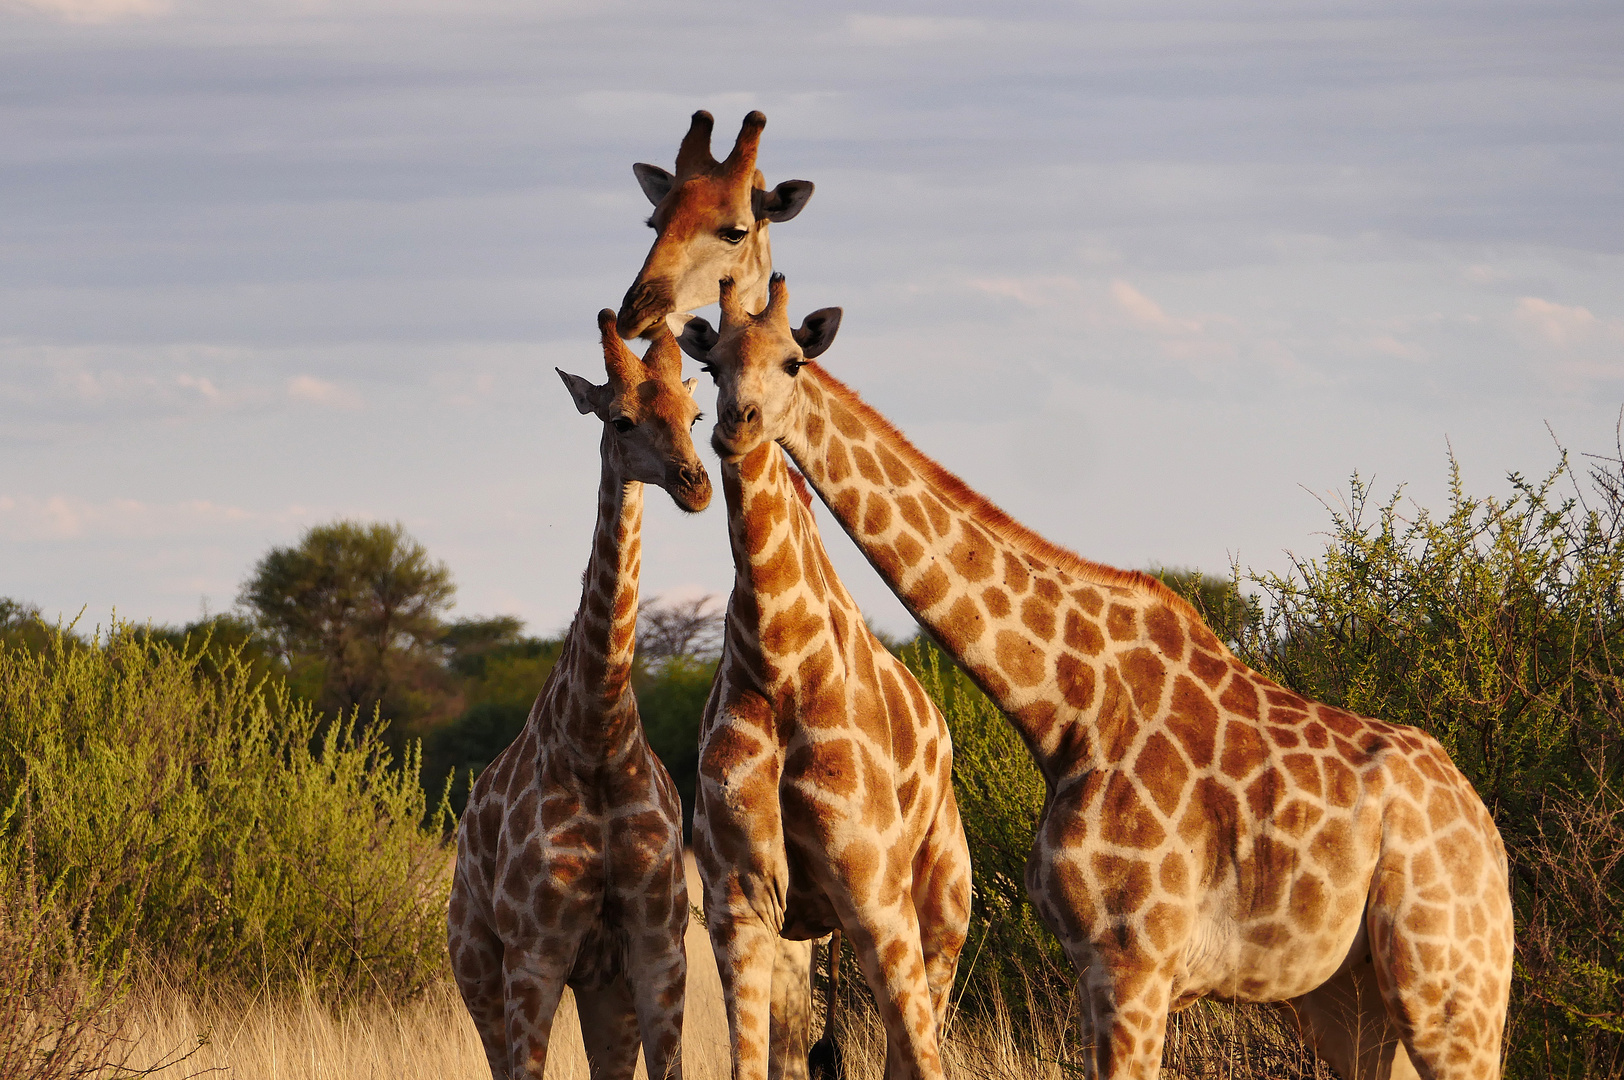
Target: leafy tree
x=21, y=625
x=355, y=611
x=468, y=643
x=672, y=629
x=501, y=671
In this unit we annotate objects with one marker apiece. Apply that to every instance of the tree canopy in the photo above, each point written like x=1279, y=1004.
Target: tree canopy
x=364, y=602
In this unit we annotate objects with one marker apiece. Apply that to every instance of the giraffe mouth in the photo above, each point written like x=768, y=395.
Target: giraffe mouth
x=644, y=306
x=691, y=496
x=733, y=441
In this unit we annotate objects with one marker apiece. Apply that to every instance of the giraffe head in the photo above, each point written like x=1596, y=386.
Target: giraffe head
x=754, y=360
x=710, y=222
x=649, y=410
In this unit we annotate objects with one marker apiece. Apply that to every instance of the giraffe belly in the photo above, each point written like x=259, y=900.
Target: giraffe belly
x=808, y=914
x=1269, y=959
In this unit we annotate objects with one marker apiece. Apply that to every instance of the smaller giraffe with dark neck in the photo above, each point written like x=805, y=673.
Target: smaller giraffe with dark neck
x=825, y=796
x=569, y=856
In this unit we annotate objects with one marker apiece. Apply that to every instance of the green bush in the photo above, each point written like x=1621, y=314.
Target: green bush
x=190, y=817
x=501, y=673
x=1498, y=628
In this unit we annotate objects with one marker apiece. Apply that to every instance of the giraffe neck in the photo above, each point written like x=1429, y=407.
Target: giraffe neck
x=598, y=718
x=782, y=581
x=1028, y=621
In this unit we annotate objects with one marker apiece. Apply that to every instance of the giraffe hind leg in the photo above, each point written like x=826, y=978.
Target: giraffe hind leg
x=659, y=983
x=1442, y=961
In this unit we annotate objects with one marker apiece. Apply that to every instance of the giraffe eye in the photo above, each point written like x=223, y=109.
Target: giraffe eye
x=793, y=365
x=732, y=236
x=622, y=424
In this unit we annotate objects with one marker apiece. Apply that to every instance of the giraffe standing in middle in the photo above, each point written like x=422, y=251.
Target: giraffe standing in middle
x=825, y=794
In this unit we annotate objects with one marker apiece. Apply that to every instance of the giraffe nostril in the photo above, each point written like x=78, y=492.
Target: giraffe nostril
x=749, y=414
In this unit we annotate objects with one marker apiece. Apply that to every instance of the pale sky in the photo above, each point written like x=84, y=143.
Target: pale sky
x=1155, y=277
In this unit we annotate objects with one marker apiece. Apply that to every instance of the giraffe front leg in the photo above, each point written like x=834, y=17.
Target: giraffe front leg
x=942, y=899
x=888, y=951
x=1125, y=997
x=658, y=989
x=791, y=1010
x=746, y=950
x=476, y=962
x=533, y=981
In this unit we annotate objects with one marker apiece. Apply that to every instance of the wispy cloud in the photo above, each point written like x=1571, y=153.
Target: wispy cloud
x=914, y=29
x=308, y=388
x=1147, y=313
x=1567, y=325
x=92, y=11
x=69, y=517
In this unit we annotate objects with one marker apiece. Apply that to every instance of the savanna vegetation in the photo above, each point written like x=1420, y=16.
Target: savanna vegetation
x=246, y=817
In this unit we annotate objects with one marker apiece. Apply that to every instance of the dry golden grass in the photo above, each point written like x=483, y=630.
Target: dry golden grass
x=300, y=1037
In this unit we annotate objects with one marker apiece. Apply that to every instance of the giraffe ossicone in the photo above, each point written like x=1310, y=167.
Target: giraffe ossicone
x=569, y=864
x=825, y=798
x=1207, y=832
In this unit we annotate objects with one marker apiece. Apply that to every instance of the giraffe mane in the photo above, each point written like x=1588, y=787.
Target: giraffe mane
x=798, y=482
x=988, y=514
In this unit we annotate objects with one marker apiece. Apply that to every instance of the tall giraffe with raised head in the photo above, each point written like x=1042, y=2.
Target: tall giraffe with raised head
x=569, y=856
x=710, y=222
x=1206, y=831
x=825, y=794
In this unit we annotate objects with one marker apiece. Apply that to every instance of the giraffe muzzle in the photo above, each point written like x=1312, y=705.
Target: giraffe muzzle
x=689, y=486
x=737, y=431
x=644, y=306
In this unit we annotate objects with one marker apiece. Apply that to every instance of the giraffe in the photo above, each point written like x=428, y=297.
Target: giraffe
x=825, y=797
x=569, y=856
x=710, y=221
x=1206, y=832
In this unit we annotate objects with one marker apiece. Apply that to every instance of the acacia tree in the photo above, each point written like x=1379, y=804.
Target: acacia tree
x=679, y=629
x=356, y=606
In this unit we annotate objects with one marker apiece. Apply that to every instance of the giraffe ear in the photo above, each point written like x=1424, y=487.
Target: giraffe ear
x=655, y=181
x=697, y=339
x=588, y=398
x=782, y=202
x=817, y=331
x=690, y=384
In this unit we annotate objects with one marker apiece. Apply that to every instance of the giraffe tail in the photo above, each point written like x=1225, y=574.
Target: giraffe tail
x=825, y=1060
